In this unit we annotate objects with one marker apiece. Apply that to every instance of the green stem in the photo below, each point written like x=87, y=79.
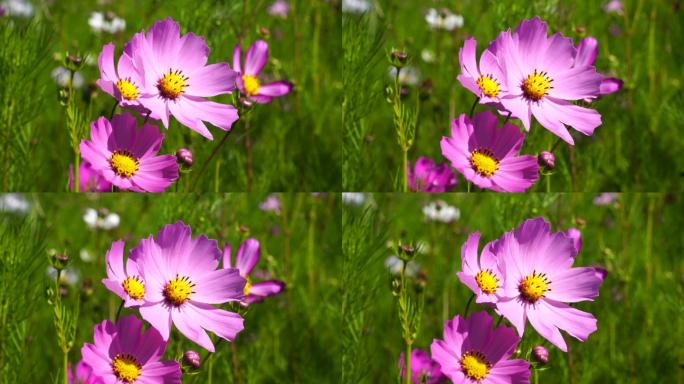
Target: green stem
x=507, y=117
x=407, y=359
x=66, y=366
x=211, y=157
x=536, y=376
x=499, y=321
x=77, y=179
x=404, y=188
x=111, y=114
x=472, y=109
x=248, y=157
x=468, y=184
x=468, y=305
x=548, y=183
x=118, y=311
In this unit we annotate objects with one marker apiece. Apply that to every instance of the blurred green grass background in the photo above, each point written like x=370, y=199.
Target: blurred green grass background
x=287, y=338
x=637, y=239
x=295, y=139
x=635, y=149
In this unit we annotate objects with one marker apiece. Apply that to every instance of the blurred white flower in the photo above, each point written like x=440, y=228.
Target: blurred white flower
x=279, y=8
x=395, y=264
x=86, y=256
x=61, y=76
x=106, y=22
x=441, y=211
x=606, y=198
x=443, y=19
x=407, y=76
x=427, y=55
x=101, y=220
x=69, y=276
x=353, y=198
x=14, y=203
x=355, y=6
x=19, y=8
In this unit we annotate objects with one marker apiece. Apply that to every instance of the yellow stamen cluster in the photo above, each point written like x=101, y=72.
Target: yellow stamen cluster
x=487, y=282
x=134, y=288
x=248, y=285
x=251, y=85
x=474, y=365
x=536, y=85
x=534, y=286
x=178, y=290
x=488, y=86
x=127, y=89
x=483, y=162
x=171, y=85
x=123, y=163
x=126, y=368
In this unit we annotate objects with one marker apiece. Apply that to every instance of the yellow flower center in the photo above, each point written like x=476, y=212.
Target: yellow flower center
x=488, y=86
x=127, y=89
x=171, y=85
x=134, y=288
x=126, y=368
x=536, y=85
x=487, y=282
x=123, y=163
x=248, y=285
x=483, y=162
x=251, y=84
x=534, y=286
x=178, y=290
x=474, y=365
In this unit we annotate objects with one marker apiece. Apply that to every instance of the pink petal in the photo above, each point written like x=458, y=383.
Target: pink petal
x=574, y=285
x=610, y=85
x=114, y=261
x=151, y=346
x=519, y=108
x=220, y=286
x=188, y=323
x=166, y=372
x=587, y=50
x=510, y=371
x=550, y=120
x=469, y=262
x=158, y=316
x=186, y=115
x=576, y=84
x=514, y=312
x=227, y=262
x=158, y=108
x=211, y=80
x=247, y=256
x=106, y=63
x=469, y=83
x=257, y=56
x=236, y=59
x=192, y=53
x=147, y=142
x=267, y=288
x=551, y=314
x=532, y=40
x=558, y=57
x=220, y=115
x=223, y=323
x=163, y=38
x=466, y=57
x=582, y=119
x=276, y=89
x=479, y=326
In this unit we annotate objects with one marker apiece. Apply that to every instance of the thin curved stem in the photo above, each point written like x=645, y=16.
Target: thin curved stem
x=472, y=109
x=467, y=308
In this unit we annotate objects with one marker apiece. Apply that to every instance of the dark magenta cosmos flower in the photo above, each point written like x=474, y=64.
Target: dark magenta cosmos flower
x=481, y=276
x=182, y=283
x=426, y=176
x=248, y=76
x=91, y=181
x=124, y=353
x=123, y=280
x=423, y=368
x=247, y=257
x=474, y=353
x=587, y=50
x=488, y=156
x=541, y=80
x=82, y=375
x=540, y=280
x=127, y=157
x=176, y=78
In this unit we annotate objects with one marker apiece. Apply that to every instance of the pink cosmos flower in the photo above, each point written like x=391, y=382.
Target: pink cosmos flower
x=486, y=81
x=125, y=81
x=247, y=257
x=82, y=375
x=127, y=157
x=429, y=177
x=271, y=204
x=587, y=50
x=124, y=353
x=422, y=367
x=613, y=6
x=482, y=277
x=606, y=198
x=541, y=79
x=540, y=280
x=576, y=236
x=279, y=8
x=488, y=156
x=248, y=80
x=176, y=78
x=474, y=353
x=90, y=181
x=125, y=282
x=182, y=283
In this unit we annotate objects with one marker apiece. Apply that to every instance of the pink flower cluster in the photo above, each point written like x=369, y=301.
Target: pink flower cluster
x=526, y=274
x=172, y=279
x=522, y=73
x=159, y=74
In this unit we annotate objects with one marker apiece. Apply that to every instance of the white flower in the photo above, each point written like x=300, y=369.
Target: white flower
x=20, y=8
x=86, y=256
x=407, y=76
x=69, y=276
x=427, y=55
x=353, y=198
x=441, y=211
x=61, y=76
x=14, y=203
x=108, y=22
x=395, y=264
x=97, y=220
x=443, y=19
x=355, y=6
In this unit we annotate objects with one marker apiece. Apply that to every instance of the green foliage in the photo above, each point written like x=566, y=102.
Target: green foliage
x=639, y=310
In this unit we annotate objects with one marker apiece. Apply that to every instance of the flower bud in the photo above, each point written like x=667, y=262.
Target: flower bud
x=243, y=228
x=540, y=355
x=59, y=260
x=246, y=102
x=191, y=359
x=546, y=160
x=264, y=32
x=184, y=157
x=398, y=58
x=406, y=252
